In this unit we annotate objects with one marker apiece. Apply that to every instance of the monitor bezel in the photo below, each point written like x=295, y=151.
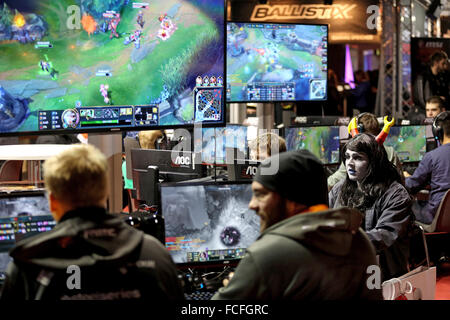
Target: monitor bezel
x=278, y=23
x=142, y=128
x=205, y=264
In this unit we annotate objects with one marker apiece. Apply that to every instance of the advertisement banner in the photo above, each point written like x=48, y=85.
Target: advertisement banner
x=350, y=21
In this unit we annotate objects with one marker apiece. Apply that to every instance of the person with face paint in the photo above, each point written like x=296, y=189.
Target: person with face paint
x=373, y=186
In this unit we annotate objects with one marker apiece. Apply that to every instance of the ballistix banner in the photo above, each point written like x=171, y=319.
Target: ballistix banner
x=350, y=21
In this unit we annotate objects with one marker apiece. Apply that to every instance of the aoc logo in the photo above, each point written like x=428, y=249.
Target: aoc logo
x=180, y=160
x=265, y=12
x=251, y=170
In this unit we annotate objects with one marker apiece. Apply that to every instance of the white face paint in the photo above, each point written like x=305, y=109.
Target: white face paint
x=357, y=164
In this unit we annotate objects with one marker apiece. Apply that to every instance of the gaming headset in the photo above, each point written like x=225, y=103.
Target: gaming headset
x=438, y=131
x=360, y=126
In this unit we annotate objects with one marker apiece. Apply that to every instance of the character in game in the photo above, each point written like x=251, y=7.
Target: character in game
x=205, y=81
x=162, y=17
x=220, y=81
x=46, y=67
x=140, y=19
x=198, y=81
x=134, y=37
x=213, y=81
x=104, y=91
x=112, y=25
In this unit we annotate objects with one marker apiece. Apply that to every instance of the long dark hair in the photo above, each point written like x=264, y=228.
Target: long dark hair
x=380, y=174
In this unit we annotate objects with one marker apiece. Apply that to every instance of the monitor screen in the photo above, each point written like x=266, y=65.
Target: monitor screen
x=110, y=65
x=34, y=204
x=29, y=226
x=276, y=62
x=323, y=142
x=208, y=223
x=408, y=141
x=216, y=140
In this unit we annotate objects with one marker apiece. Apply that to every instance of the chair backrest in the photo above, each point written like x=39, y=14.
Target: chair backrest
x=443, y=221
x=11, y=170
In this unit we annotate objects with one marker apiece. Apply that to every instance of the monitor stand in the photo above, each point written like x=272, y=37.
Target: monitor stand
x=111, y=146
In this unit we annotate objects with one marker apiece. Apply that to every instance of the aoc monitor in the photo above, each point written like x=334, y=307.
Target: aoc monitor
x=269, y=62
x=106, y=66
x=408, y=141
x=208, y=223
x=322, y=141
x=215, y=141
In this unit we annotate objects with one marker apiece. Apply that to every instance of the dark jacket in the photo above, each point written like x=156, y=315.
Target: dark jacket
x=310, y=256
x=434, y=169
x=387, y=224
x=115, y=261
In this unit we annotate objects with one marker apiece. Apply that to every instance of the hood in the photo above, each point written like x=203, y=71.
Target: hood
x=330, y=231
x=80, y=241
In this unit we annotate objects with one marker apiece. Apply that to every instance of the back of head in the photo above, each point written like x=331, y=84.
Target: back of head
x=77, y=176
x=269, y=142
x=300, y=177
x=148, y=138
x=369, y=123
x=441, y=125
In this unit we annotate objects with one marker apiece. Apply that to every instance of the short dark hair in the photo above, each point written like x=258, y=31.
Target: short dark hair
x=370, y=123
x=445, y=125
x=436, y=100
x=438, y=56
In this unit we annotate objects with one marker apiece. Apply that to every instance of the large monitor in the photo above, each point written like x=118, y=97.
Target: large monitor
x=110, y=65
x=408, y=141
x=323, y=141
x=215, y=141
x=276, y=62
x=208, y=223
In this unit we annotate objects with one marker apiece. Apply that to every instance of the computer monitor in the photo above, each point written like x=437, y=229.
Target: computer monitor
x=215, y=141
x=208, y=223
x=5, y=259
x=26, y=227
x=242, y=170
x=269, y=62
x=322, y=141
x=23, y=204
x=408, y=141
x=96, y=66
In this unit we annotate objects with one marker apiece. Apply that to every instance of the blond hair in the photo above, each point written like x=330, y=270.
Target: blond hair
x=264, y=142
x=77, y=176
x=147, y=139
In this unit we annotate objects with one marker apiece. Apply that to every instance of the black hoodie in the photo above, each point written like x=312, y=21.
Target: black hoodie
x=115, y=261
x=310, y=256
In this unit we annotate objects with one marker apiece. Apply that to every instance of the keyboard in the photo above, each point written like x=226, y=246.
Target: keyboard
x=199, y=295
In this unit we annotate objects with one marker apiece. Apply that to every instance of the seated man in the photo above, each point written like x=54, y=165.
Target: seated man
x=89, y=254
x=305, y=251
x=369, y=123
x=433, y=170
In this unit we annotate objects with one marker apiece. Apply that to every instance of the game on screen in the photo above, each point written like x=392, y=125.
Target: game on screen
x=85, y=64
x=276, y=62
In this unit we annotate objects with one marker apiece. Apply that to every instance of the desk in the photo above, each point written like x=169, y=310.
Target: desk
x=32, y=152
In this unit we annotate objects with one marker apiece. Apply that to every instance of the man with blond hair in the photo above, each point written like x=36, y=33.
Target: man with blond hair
x=90, y=254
